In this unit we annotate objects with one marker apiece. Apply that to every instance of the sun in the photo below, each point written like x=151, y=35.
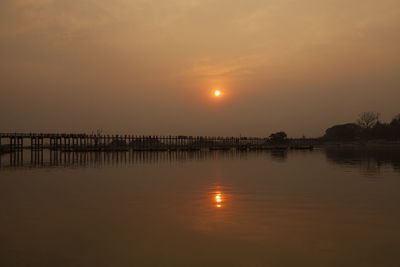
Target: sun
x=217, y=92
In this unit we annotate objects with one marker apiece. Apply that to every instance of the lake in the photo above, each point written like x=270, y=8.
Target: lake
x=326, y=207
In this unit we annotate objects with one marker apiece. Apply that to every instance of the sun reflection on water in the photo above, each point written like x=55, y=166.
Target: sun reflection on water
x=218, y=199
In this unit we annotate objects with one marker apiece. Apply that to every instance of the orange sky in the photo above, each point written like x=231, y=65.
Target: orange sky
x=149, y=67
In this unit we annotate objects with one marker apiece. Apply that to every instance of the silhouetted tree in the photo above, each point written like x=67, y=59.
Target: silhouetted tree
x=396, y=120
x=395, y=127
x=367, y=120
x=368, y=127
x=278, y=137
x=343, y=132
x=379, y=131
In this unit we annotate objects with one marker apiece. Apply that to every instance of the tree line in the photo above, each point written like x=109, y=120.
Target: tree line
x=367, y=126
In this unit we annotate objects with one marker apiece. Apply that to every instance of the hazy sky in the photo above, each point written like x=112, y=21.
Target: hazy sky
x=149, y=67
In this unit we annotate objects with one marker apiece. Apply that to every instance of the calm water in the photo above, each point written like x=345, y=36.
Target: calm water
x=335, y=207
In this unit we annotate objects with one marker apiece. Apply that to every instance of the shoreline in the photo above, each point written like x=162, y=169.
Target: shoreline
x=359, y=144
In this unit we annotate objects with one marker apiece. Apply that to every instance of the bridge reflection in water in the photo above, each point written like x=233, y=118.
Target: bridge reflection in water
x=369, y=161
x=54, y=158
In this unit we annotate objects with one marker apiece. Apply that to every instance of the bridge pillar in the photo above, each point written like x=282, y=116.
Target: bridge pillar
x=12, y=143
x=22, y=143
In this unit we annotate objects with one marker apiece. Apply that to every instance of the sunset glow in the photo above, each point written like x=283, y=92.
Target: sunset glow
x=170, y=59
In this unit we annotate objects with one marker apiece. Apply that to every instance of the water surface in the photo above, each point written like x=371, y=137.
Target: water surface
x=332, y=207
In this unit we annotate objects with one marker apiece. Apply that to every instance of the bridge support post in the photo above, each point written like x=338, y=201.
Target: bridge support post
x=12, y=143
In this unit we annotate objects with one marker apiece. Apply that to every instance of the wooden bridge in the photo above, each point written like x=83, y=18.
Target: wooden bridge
x=95, y=142
x=65, y=142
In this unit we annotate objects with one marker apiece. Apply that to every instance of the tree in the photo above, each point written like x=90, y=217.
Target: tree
x=380, y=131
x=396, y=120
x=367, y=120
x=278, y=137
x=348, y=131
x=395, y=127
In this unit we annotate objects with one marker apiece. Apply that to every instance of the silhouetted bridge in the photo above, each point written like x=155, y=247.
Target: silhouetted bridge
x=10, y=142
